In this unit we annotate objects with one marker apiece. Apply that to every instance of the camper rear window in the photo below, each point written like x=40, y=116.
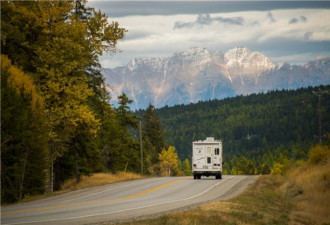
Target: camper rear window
x=216, y=151
x=208, y=159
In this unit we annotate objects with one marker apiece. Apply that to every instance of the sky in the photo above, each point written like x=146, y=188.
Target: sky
x=293, y=32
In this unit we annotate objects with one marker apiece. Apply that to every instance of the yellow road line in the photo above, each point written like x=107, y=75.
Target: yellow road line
x=97, y=202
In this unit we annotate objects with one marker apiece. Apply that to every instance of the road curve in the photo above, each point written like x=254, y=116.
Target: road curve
x=125, y=200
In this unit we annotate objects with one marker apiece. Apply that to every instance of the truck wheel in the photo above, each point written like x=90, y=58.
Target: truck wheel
x=220, y=176
x=199, y=177
x=195, y=177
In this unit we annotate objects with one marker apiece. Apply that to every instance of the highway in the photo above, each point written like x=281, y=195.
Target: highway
x=124, y=200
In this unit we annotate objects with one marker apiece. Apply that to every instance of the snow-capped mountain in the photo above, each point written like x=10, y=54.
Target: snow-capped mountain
x=199, y=74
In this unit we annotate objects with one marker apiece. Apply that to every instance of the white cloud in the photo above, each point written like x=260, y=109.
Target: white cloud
x=154, y=35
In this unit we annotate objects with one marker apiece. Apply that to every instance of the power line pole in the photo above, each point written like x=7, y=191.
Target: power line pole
x=319, y=94
x=140, y=129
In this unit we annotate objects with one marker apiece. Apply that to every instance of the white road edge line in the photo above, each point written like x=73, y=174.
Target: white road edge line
x=85, y=195
x=124, y=210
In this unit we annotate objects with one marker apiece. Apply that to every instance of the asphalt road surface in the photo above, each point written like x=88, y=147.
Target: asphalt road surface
x=125, y=200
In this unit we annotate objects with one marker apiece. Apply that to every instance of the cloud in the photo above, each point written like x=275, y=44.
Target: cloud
x=308, y=35
x=293, y=20
x=234, y=20
x=271, y=17
x=154, y=36
x=206, y=19
x=297, y=20
x=303, y=19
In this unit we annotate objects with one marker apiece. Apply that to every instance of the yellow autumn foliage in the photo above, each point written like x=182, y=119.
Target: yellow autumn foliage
x=20, y=81
x=168, y=161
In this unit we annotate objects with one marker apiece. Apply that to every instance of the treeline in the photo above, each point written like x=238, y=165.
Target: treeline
x=56, y=120
x=259, y=131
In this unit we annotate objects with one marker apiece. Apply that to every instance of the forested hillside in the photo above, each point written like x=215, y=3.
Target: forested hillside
x=256, y=129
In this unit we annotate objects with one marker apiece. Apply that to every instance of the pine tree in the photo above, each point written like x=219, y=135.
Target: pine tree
x=152, y=130
x=59, y=46
x=23, y=135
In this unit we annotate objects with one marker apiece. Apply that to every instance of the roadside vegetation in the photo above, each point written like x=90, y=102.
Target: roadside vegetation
x=57, y=123
x=300, y=196
x=96, y=179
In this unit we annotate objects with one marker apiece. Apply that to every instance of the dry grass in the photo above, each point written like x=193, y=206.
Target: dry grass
x=98, y=179
x=309, y=185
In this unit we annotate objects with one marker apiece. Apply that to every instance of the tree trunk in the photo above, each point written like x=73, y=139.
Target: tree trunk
x=126, y=166
x=77, y=170
x=21, y=182
x=77, y=165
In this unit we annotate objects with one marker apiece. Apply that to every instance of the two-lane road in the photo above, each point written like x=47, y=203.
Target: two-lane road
x=126, y=200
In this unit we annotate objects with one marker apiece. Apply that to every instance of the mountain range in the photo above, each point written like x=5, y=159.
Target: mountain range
x=198, y=74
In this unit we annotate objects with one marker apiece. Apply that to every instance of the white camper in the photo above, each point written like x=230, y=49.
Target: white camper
x=207, y=158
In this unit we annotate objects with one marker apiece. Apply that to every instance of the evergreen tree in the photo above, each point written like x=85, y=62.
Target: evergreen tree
x=23, y=135
x=153, y=132
x=59, y=46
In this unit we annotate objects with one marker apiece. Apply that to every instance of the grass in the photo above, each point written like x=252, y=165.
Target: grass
x=96, y=179
x=310, y=187
x=302, y=196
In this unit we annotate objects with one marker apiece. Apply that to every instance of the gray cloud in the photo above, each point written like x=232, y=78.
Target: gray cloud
x=180, y=25
x=293, y=21
x=303, y=19
x=271, y=17
x=297, y=20
x=307, y=35
x=206, y=19
x=129, y=8
x=233, y=20
x=134, y=34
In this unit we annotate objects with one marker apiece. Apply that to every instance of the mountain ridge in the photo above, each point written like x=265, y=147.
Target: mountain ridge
x=199, y=74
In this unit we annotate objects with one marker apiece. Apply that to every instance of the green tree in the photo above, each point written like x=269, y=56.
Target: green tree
x=244, y=166
x=186, y=167
x=225, y=168
x=152, y=129
x=60, y=45
x=264, y=169
x=23, y=135
x=128, y=147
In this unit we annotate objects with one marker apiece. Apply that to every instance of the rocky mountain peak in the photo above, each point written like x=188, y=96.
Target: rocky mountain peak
x=199, y=74
x=237, y=54
x=243, y=61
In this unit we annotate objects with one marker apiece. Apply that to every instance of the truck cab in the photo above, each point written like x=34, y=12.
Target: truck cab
x=207, y=158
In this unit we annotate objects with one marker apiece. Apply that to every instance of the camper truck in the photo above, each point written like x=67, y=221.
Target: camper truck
x=207, y=158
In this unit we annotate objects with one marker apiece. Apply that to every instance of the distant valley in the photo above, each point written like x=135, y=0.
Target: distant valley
x=198, y=74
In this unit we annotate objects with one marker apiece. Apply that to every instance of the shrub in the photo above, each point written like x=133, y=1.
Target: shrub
x=319, y=154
